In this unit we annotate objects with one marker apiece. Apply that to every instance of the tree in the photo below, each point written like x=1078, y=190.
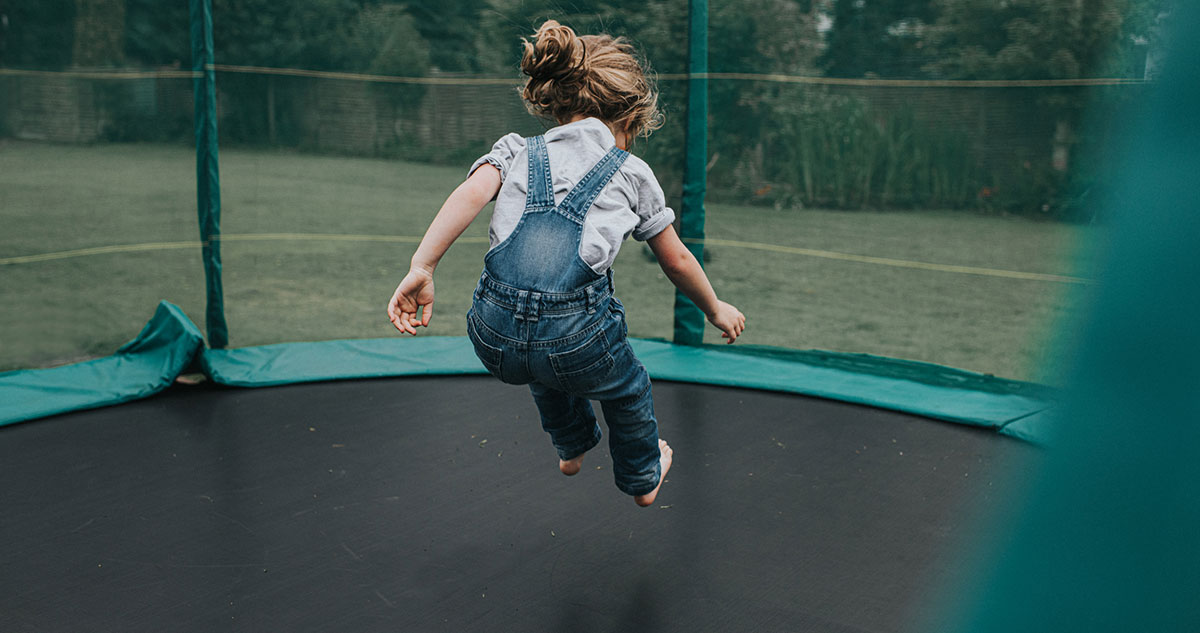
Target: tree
x=1140, y=44
x=877, y=37
x=450, y=31
x=364, y=36
x=37, y=34
x=1030, y=39
x=384, y=40
x=306, y=34
x=99, y=33
x=1023, y=39
x=157, y=33
x=343, y=35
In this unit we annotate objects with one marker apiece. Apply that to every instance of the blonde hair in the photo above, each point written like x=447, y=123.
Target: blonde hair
x=589, y=75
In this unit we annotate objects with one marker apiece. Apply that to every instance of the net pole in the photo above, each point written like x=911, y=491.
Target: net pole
x=689, y=320
x=208, y=184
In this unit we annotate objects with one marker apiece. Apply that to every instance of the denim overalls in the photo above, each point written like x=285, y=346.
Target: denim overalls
x=543, y=317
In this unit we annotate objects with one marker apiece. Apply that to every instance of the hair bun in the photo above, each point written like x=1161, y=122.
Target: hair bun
x=556, y=54
x=572, y=76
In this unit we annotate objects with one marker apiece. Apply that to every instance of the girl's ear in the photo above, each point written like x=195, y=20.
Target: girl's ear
x=627, y=127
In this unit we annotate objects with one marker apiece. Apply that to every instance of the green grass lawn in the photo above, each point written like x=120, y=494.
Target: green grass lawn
x=57, y=198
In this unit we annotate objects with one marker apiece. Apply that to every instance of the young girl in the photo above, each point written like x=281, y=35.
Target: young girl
x=544, y=313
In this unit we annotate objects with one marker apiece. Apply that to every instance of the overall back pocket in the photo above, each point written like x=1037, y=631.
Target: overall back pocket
x=490, y=355
x=583, y=369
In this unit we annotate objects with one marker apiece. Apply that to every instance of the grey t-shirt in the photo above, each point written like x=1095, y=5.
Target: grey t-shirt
x=631, y=204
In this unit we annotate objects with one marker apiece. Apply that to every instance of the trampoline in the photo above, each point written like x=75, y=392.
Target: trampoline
x=434, y=503
x=366, y=486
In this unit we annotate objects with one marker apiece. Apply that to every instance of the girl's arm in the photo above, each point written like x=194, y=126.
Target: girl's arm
x=415, y=292
x=685, y=272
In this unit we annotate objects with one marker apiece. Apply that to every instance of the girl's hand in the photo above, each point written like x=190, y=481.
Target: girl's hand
x=414, y=292
x=729, y=320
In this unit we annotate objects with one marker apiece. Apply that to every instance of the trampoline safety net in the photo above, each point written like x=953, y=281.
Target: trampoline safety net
x=908, y=179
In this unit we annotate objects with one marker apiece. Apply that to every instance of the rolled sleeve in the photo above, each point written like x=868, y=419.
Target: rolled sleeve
x=654, y=224
x=653, y=213
x=502, y=155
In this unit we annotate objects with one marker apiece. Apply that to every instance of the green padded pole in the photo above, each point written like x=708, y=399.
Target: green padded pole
x=208, y=184
x=689, y=320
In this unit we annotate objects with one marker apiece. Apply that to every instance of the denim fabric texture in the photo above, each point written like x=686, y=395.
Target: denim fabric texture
x=543, y=317
x=632, y=204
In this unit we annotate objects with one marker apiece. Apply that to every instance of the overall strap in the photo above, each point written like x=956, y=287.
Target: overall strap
x=540, y=193
x=580, y=199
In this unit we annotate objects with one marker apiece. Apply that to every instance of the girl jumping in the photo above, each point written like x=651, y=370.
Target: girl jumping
x=544, y=313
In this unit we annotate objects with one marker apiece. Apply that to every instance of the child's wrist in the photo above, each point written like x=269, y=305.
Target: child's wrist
x=423, y=267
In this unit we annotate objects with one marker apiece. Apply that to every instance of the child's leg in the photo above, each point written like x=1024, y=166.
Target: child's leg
x=664, y=464
x=571, y=423
x=640, y=460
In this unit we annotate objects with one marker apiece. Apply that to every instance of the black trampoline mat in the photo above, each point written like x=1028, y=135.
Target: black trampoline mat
x=435, y=504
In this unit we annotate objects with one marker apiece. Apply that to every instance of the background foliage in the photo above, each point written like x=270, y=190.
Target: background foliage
x=777, y=144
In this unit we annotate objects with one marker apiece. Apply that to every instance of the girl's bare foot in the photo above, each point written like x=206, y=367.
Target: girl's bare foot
x=571, y=466
x=665, y=461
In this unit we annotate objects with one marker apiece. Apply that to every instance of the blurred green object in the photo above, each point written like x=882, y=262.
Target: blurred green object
x=1110, y=537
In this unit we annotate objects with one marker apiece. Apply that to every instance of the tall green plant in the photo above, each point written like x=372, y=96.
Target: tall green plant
x=834, y=151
